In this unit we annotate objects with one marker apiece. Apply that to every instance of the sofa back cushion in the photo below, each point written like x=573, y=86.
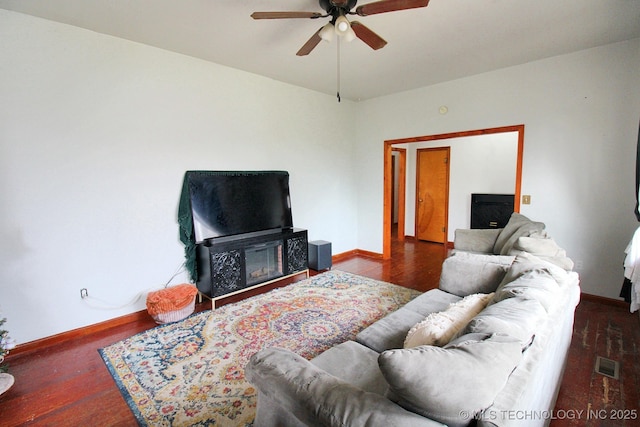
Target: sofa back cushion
x=536, y=285
x=480, y=240
x=465, y=273
x=451, y=384
x=544, y=248
x=525, y=262
x=515, y=317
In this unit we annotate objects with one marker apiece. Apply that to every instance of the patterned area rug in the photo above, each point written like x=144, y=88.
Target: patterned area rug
x=191, y=373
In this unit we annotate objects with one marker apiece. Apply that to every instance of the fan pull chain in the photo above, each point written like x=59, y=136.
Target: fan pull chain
x=338, y=73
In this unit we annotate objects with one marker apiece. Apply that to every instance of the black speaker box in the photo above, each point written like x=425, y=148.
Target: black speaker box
x=319, y=255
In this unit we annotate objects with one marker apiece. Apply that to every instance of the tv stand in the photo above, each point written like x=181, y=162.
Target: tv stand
x=236, y=265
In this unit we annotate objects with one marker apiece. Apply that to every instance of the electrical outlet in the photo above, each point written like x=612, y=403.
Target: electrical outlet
x=84, y=293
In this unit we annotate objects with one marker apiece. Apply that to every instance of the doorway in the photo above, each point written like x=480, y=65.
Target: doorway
x=398, y=191
x=432, y=194
x=389, y=145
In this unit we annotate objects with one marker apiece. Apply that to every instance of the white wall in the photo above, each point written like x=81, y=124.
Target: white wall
x=95, y=136
x=580, y=113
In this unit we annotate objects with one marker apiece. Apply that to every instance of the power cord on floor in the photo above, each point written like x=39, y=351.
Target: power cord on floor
x=106, y=305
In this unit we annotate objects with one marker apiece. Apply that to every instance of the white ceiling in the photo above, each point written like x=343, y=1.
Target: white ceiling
x=447, y=40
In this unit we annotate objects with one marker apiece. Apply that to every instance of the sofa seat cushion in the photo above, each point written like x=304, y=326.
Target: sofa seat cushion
x=390, y=331
x=438, y=328
x=422, y=380
x=516, y=317
x=431, y=301
x=355, y=364
x=517, y=226
x=465, y=273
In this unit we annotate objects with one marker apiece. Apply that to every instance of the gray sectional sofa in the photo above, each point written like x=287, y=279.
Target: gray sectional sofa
x=488, y=346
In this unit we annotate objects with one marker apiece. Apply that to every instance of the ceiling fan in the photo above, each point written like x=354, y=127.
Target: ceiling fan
x=340, y=25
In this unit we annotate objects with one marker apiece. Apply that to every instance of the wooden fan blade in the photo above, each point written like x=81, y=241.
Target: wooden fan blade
x=284, y=15
x=384, y=6
x=310, y=44
x=374, y=41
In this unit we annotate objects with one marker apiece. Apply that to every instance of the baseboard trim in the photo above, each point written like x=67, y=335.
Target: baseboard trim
x=79, y=332
x=603, y=300
x=355, y=252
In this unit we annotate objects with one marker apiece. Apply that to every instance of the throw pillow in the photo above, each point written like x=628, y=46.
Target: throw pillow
x=517, y=226
x=539, y=246
x=438, y=328
x=515, y=317
x=453, y=383
x=563, y=262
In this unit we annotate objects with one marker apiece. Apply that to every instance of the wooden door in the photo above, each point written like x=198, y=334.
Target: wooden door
x=432, y=194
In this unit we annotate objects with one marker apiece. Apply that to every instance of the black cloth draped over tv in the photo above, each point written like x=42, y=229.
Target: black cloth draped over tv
x=185, y=224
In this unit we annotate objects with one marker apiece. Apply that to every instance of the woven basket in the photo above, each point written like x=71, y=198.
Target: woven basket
x=172, y=304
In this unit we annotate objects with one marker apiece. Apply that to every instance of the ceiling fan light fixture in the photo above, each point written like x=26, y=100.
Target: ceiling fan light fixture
x=349, y=36
x=342, y=25
x=327, y=32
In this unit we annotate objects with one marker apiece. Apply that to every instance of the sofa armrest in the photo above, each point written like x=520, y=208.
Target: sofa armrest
x=317, y=398
x=476, y=240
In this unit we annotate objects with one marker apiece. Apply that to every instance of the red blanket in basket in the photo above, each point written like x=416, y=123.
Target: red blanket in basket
x=170, y=299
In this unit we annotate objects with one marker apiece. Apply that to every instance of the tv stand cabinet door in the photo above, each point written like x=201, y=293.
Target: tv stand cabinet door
x=297, y=250
x=226, y=272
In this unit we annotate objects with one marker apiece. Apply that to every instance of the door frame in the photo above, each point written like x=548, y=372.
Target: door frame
x=446, y=205
x=388, y=177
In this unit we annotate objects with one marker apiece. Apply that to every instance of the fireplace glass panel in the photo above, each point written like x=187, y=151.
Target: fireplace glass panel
x=263, y=262
x=491, y=210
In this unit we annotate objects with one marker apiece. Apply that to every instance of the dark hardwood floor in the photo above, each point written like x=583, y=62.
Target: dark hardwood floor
x=590, y=399
x=67, y=384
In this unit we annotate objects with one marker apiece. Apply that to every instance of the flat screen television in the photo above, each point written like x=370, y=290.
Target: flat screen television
x=227, y=203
